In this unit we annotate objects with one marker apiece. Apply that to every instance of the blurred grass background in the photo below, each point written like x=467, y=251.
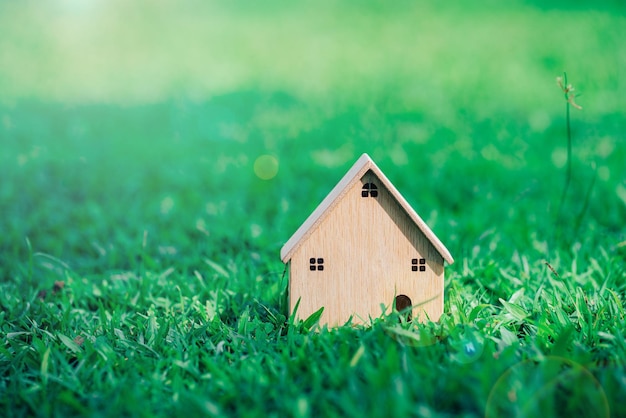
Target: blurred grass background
x=155, y=156
x=131, y=124
x=439, y=57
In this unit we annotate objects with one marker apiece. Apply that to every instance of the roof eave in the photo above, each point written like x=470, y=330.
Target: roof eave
x=363, y=164
x=359, y=168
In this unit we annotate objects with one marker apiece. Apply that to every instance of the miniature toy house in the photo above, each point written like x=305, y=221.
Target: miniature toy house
x=362, y=248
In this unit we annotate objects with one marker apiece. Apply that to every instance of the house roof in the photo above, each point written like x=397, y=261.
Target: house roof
x=356, y=172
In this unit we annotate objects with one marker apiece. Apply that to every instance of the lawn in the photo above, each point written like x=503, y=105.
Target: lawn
x=141, y=219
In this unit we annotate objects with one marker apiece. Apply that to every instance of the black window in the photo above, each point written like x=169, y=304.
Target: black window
x=418, y=264
x=316, y=264
x=369, y=190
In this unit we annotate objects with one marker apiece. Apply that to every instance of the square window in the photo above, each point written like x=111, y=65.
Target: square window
x=418, y=264
x=316, y=264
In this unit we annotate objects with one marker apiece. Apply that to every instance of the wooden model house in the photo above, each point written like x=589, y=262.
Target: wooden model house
x=363, y=248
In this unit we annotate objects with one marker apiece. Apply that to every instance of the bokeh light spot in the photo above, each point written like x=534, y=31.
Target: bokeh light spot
x=266, y=167
x=551, y=386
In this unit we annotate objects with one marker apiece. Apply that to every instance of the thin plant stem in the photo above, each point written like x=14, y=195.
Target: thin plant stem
x=581, y=215
x=569, y=100
x=568, y=172
x=569, y=142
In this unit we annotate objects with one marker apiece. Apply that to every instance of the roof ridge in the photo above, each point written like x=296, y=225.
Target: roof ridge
x=358, y=169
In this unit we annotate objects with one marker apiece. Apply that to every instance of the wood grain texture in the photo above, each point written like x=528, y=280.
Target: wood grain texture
x=367, y=245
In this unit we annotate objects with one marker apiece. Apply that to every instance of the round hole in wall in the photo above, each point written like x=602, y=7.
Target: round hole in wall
x=403, y=305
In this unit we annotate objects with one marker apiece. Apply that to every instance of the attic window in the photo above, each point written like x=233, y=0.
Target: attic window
x=316, y=264
x=369, y=190
x=418, y=264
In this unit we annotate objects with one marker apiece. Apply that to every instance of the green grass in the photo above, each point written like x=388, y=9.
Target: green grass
x=139, y=252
